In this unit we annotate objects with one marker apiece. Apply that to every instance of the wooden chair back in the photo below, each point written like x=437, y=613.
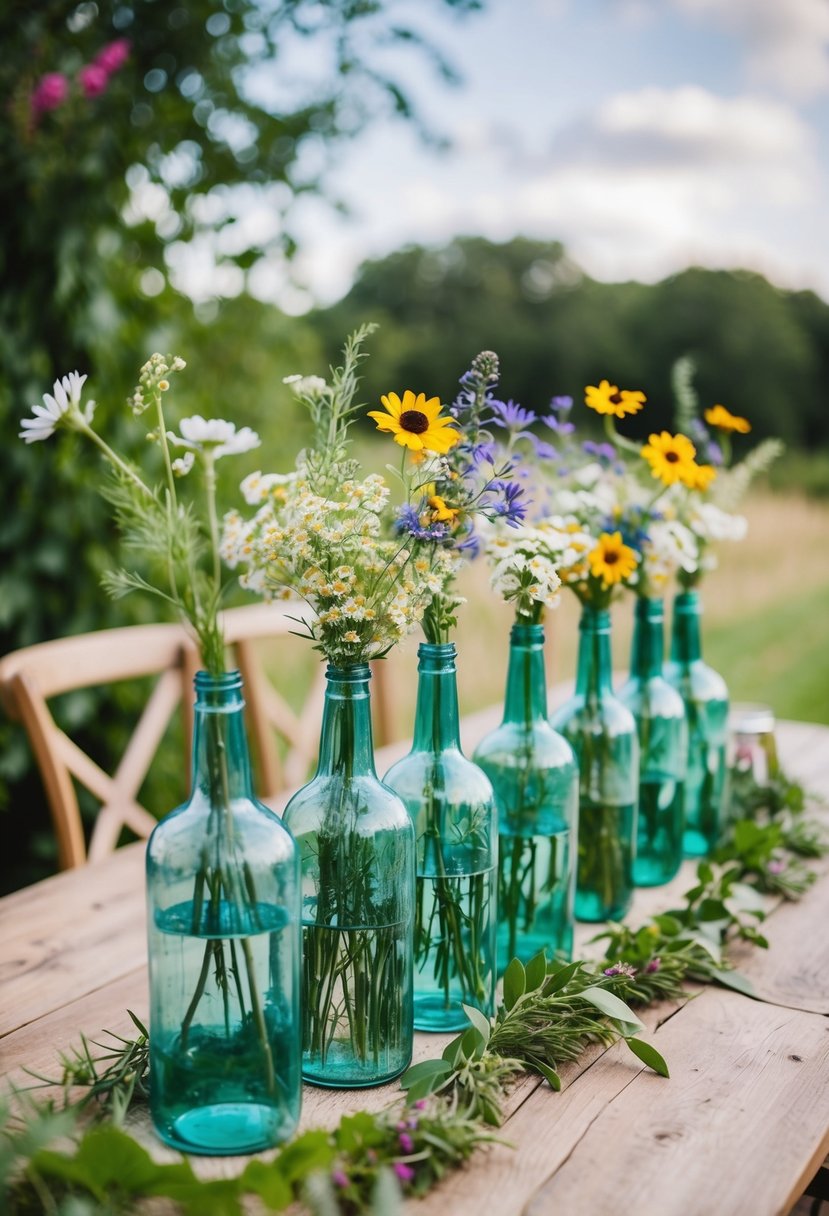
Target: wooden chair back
x=30, y=677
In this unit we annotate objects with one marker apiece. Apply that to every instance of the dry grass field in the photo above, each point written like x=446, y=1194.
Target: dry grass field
x=766, y=625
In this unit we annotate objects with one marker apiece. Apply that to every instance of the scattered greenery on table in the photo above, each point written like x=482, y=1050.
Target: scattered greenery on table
x=71, y=1155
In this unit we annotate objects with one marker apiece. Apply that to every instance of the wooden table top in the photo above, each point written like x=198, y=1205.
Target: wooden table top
x=738, y=1130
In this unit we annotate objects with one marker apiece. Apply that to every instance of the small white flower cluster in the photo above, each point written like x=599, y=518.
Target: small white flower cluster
x=711, y=523
x=366, y=592
x=528, y=563
x=306, y=386
x=154, y=378
x=669, y=547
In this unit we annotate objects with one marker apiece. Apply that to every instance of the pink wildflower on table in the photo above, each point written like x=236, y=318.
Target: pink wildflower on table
x=51, y=92
x=406, y=1142
x=653, y=965
x=621, y=969
x=113, y=56
x=93, y=79
x=339, y=1178
x=404, y=1172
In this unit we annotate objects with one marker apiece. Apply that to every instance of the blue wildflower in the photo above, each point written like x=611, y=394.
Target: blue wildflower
x=510, y=503
x=408, y=521
x=544, y=451
x=511, y=415
x=604, y=452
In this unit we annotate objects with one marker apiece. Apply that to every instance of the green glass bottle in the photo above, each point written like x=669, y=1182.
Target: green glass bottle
x=223, y=920
x=602, y=733
x=663, y=749
x=705, y=696
x=452, y=805
x=358, y=874
x=535, y=777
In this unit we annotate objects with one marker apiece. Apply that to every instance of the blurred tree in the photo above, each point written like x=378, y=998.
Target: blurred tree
x=761, y=351
x=137, y=136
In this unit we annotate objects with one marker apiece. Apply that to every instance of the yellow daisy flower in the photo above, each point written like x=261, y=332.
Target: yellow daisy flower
x=721, y=418
x=416, y=423
x=698, y=476
x=670, y=457
x=606, y=398
x=612, y=561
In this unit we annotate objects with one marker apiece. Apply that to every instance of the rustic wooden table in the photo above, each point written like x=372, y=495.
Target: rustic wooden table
x=738, y=1129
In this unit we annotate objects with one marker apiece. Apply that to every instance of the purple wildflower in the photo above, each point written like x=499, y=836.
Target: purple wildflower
x=470, y=545
x=653, y=965
x=602, y=451
x=94, y=79
x=339, y=1178
x=482, y=453
x=624, y=969
x=561, y=405
x=408, y=521
x=560, y=428
x=511, y=415
x=509, y=505
x=420, y=1104
x=406, y=1142
x=404, y=1172
x=776, y=866
x=114, y=55
x=544, y=451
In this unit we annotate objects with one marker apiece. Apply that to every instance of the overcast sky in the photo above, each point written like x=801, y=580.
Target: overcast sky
x=647, y=135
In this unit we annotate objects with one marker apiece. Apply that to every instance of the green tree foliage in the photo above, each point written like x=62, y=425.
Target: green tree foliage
x=134, y=131
x=762, y=352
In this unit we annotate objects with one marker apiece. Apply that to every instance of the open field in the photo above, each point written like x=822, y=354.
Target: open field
x=766, y=625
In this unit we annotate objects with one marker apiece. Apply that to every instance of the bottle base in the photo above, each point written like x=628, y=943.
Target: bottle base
x=694, y=844
x=340, y=1069
x=227, y=1129
x=432, y=1014
x=648, y=873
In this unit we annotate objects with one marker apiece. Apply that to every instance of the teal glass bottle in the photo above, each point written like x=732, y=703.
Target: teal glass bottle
x=452, y=806
x=602, y=733
x=706, y=707
x=223, y=921
x=663, y=749
x=357, y=848
x=535, y=777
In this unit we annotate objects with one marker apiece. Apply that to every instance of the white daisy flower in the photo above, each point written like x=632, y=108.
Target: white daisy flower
x=182, y=466
x=64, y=399
x=213, y=436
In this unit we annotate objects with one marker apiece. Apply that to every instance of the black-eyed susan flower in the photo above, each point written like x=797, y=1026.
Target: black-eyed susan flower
x=416, y=423
x=441, y=512
x=612, y=560
x=698, y=476
x=670, y=457
x=723, y=420
x=607, y=398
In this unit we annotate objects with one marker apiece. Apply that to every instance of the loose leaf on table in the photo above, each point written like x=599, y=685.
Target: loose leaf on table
x=548, y=1073
x=515, y=983
x=613, y=1007
x=648, y=1055
x=481, y=1023
x=737, y=981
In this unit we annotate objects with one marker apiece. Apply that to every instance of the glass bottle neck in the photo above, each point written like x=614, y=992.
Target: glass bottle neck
x=595, y=671
x=437, y=726
x=221, y=764
x=685, y=634
x=346, y=743
x=647, y=652
x=526, y=695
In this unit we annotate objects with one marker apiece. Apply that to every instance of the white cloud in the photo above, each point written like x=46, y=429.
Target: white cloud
x=645, y=184
x=787, y=41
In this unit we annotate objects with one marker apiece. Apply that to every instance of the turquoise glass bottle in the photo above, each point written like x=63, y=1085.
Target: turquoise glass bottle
x=357, y=849
x=705, y=696
x=602, y=733
x=663, y=749
x=535, y=777
x=223, y=920
x=452, y=806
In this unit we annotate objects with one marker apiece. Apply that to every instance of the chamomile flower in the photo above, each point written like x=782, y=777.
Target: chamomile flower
x=213, y=436
x=60, y=407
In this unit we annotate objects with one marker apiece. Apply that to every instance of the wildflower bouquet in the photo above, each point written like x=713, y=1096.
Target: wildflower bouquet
x=212, y=897
x=325, y=534
x=457, y=470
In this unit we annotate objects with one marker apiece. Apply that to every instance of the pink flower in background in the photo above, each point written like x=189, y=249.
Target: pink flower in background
x=51, y=92
x=94, y=79
x=113, y=56
x=404, y=1172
